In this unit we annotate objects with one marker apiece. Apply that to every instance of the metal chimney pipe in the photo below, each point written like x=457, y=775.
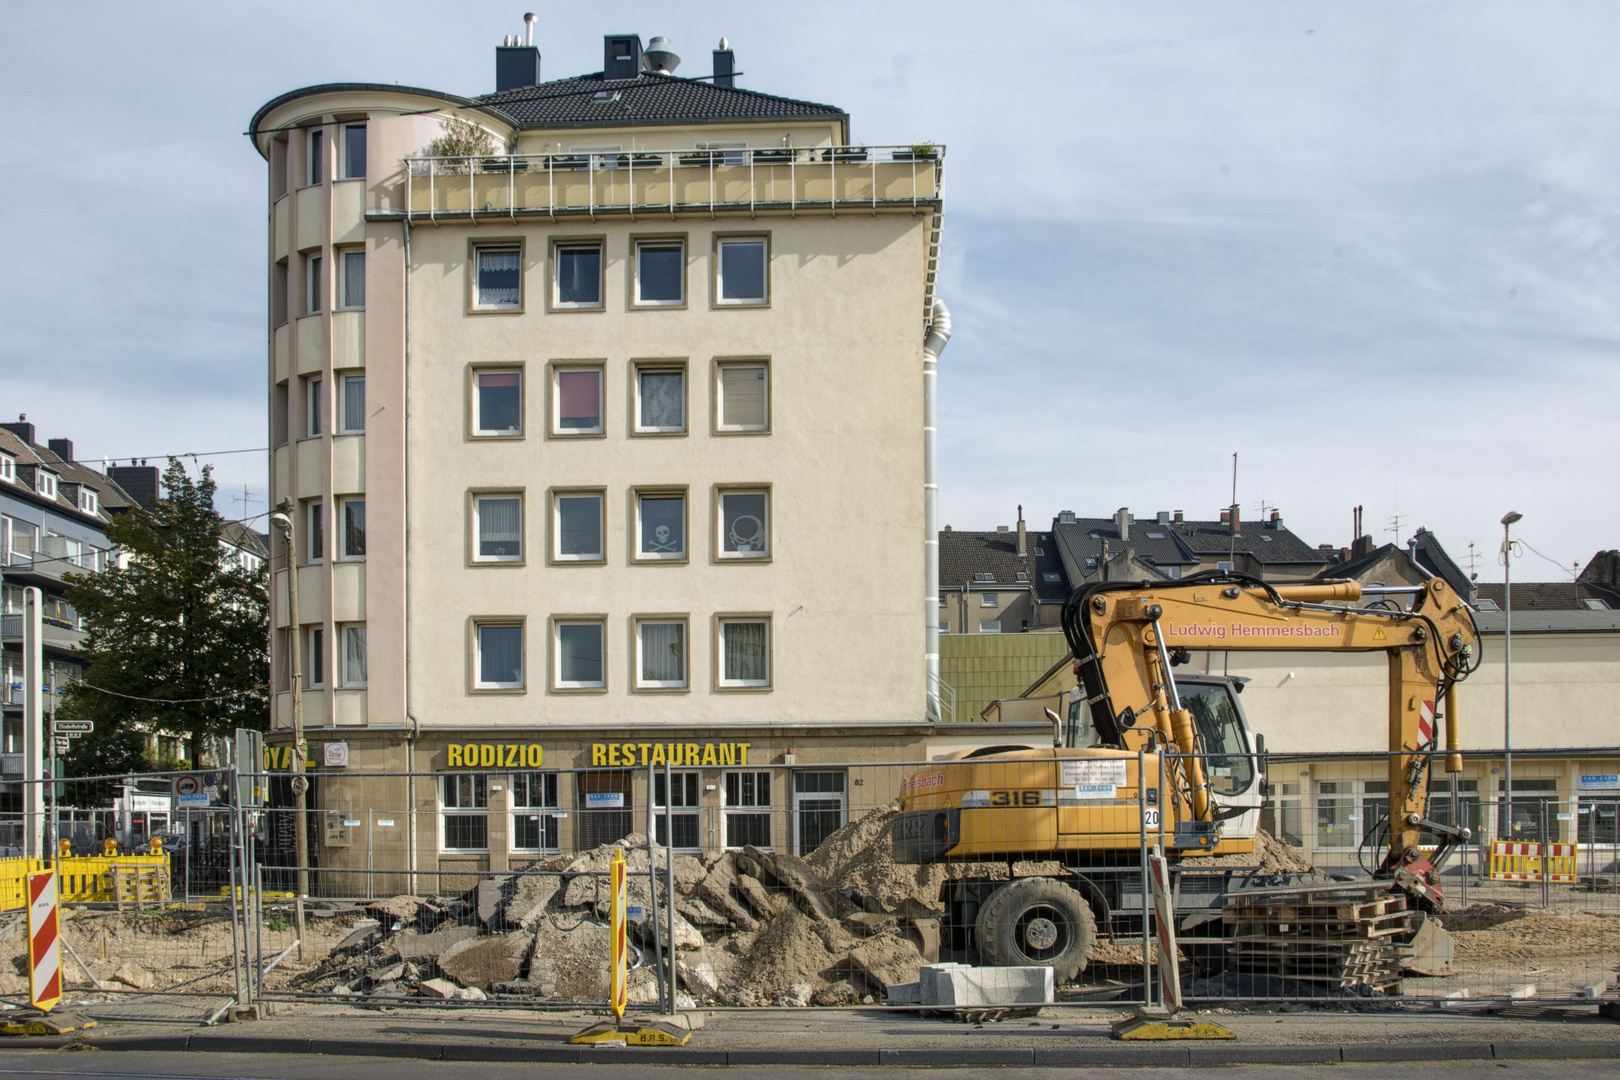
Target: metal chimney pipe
x=939, y=334
x=528, y=28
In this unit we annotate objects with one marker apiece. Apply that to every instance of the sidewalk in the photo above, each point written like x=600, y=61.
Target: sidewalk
x=871, y=1037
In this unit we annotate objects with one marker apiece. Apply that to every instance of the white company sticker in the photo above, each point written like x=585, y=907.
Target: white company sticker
x=1094, y=777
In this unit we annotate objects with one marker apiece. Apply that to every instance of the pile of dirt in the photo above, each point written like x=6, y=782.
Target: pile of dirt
x=1271, y=855
x=1529, y=938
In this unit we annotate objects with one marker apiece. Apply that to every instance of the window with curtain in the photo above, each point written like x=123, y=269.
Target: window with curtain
x=741, y=398
x=497, y=403
x=578, y=528
x=354, y=279
x=498, y=279
x=660, y=399
x=579, y=276
x=662, y=526
x=744, y=653
x=354, y=655
x=579, y=663
x=354, y=151
x=744, y=517
x=354, y=404
x=662, y=663
x=500, y=657
x=579, y=401
x=498, y=528
x=354, y=528
x=740, y=277
x=465, y=801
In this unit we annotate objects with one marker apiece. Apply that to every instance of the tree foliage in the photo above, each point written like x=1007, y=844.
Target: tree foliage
x=461, y=138
x=176, y=642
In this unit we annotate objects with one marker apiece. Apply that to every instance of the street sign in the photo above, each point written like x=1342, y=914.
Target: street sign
x=195, y=790
x=60, y=745
x=72, y=728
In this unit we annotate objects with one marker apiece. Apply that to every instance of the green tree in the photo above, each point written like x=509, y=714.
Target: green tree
x=176, y=642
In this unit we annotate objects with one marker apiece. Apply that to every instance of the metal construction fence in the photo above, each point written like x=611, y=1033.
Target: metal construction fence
x=805, y=884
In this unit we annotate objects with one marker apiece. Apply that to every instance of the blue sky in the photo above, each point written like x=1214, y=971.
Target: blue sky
x=1372, y=249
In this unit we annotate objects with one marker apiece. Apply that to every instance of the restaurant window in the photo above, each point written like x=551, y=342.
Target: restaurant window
x=534, y=811
x=682, y=814
x=464, y=799
x=748, y=809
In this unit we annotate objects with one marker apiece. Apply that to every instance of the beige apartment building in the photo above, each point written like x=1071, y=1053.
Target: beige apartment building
x=604, y=444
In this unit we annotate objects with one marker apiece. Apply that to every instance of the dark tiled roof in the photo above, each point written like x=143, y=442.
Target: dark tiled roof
x=109, y=496
x=1351, y=569
x=1433, y=558
x=1264, y=541
x=593, y=100
x=1546, y=596
x=1547, y=622
x=1153, y=541
x=962, y=555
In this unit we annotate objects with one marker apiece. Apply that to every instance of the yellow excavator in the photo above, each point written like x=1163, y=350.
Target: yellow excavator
x=1171, y=761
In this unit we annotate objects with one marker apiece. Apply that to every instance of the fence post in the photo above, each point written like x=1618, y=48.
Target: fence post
x=652, y=863
x=1546, y=857
x=1141, y=821
x=669, y=881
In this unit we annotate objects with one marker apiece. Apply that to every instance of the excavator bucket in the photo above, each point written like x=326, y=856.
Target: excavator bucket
x=1430, y=949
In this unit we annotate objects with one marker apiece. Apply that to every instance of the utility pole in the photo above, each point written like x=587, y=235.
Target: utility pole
x=1508, y=521
x=282, y=519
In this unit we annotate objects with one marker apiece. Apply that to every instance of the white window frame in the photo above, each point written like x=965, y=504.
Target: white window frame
x=87, y=500
x=479, y=626
x=535, y=811
x=557, y=681
x=684, y=780
x=944, y=626
x=479, y=251
x=660, y=368
x=750, y=809
x=557, y=372
x=686, y=516
x=8, y=468
x=523, y=540
x=721, y=680
x=45, y=482
x=719, y=271
x=682, y=683
x=347, y=632
x=314, y=530
x=314, y=291
x=557, y=495
x=343, y=554
x=989, y=626
x=315, y=658
x=346, y=298
x=557, y=249
x=602, y=155
x=635, y=271
x=448, y=809
x=478, y=429
x=314, y=409
x=721, y=535
x=720, y=422
x=989, y=599
x=346, y=383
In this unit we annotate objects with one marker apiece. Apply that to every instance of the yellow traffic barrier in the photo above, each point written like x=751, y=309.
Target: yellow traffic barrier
x=81, y=879
x=1512, y=860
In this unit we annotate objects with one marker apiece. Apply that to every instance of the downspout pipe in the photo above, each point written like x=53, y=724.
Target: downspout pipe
x=934, y=342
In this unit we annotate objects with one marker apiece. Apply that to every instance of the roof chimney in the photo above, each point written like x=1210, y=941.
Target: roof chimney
x=517, y=66
x=1226, y=517
x=659, y=58
x=1237, y=521
x=1163, y=517
x=1177, y=518
x=1023, y=548
x=21, y=428
x=1066, y=517
x=1122, y=518
x=725, y=65
x=1276, y=519
x=140, y=482
x=621, y=56
x=63, y=448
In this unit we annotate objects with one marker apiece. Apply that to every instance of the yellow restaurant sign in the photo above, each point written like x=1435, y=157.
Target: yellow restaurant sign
x=494, y=756
x=627, y=754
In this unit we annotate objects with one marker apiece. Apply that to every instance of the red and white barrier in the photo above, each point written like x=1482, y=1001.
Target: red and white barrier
x=44, y=942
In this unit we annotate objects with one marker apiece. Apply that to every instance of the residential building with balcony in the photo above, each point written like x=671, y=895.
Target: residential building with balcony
x=54, y=514
x=603, y=445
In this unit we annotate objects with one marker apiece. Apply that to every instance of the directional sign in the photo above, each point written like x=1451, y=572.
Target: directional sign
x=72, y=728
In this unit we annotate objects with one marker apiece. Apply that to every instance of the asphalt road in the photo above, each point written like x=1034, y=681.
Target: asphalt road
x=186, y=1066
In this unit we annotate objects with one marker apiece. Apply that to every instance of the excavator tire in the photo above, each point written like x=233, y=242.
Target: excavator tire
x=1037, y=921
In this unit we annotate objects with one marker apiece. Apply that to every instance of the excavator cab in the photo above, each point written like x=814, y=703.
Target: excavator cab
x=1231, y=761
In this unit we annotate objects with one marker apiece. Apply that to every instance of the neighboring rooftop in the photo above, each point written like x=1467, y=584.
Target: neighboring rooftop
x=598, y=101
x=1534, y=596
x=17, y=443
x=1176, y=546
x=987, y=561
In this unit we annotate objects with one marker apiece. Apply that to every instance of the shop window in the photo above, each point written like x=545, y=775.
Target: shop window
x=464, y=817
x=748, y=809
x=682, y=811
x=605, y=808
x=534, y=811
x=1535, y=811
x=819, y=808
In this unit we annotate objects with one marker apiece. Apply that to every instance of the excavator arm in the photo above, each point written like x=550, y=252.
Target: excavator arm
x=1127, y=637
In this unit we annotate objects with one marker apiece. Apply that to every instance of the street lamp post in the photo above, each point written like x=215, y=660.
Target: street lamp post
x=282, y=520
x=1508, y=521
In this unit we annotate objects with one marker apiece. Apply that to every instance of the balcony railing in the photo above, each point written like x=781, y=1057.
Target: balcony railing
x=823, y=179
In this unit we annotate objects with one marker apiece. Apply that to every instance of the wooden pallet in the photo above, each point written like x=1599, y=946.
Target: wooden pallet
x=139, y=886
x=1341, y=938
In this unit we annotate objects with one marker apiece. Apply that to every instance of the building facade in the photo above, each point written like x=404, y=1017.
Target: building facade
x=601, y=434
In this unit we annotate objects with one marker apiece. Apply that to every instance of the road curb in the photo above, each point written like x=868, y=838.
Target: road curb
x=1161, y=1054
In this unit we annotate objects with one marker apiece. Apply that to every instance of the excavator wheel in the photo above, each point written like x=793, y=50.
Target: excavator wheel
x=1037, y=921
